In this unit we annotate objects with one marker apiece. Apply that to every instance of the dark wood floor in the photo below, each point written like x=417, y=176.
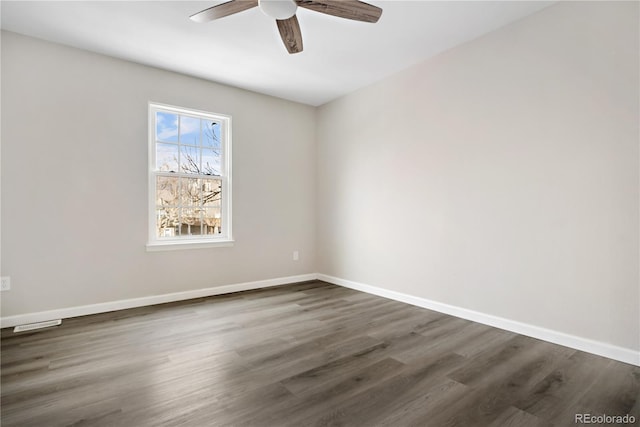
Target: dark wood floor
x=300, y=355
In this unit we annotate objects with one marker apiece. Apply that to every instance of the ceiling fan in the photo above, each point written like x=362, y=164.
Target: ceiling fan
x=284, y=11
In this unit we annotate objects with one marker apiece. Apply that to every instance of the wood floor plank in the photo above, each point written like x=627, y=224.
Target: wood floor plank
x=323, y=377
x=500, y=383
x=315, y=405
x=560, y=390
x=615, y=392
x=513, y=417
x=381, y=401
x=299, y=355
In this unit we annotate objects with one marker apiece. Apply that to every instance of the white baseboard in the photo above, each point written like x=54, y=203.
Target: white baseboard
x=596, y=347
x=84, y=310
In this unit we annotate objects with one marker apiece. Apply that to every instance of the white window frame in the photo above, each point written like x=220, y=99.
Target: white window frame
x=225, y=238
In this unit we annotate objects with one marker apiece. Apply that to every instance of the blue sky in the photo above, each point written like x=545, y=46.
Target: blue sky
x=202, y=137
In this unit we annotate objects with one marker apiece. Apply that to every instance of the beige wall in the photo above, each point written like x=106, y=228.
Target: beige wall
x=500, y=177
x=74, y=181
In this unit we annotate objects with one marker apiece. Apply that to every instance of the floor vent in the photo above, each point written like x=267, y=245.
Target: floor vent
x=38, y=325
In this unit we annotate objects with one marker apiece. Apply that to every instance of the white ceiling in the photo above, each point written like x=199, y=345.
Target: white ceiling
x=245, y=50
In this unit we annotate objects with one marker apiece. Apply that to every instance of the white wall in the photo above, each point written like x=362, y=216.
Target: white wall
x=501, y=176
x=74, y=181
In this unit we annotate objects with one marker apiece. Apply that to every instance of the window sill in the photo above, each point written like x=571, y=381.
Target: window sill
x=173, y=245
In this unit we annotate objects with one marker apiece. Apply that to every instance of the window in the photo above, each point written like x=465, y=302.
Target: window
x=189, y=178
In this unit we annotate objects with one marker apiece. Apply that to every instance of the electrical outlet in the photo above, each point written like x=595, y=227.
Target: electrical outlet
x=5, y=283
x=296, y=255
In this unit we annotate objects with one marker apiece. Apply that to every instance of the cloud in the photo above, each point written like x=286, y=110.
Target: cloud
x=167, y=127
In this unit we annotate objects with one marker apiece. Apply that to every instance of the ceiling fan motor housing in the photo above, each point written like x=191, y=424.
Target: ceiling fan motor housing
x=278, y=9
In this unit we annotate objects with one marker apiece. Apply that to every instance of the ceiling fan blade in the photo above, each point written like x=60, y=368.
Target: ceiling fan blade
x=223, y=9
x=290, y=33
x=350, y=9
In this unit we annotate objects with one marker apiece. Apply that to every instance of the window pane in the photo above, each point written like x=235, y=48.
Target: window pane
x=167, y=191
x=211, y=221
x=211, y=162
x=189, y=130
x=167, y=157
x=167, y=222
x=210, y=134
x=190, y=193
x=189, y=159
x=166, y=127
x=190, y=155
x=191, y=221
x=211, y=192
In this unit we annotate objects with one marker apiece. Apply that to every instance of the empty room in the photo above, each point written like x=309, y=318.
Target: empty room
x=320, y=212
